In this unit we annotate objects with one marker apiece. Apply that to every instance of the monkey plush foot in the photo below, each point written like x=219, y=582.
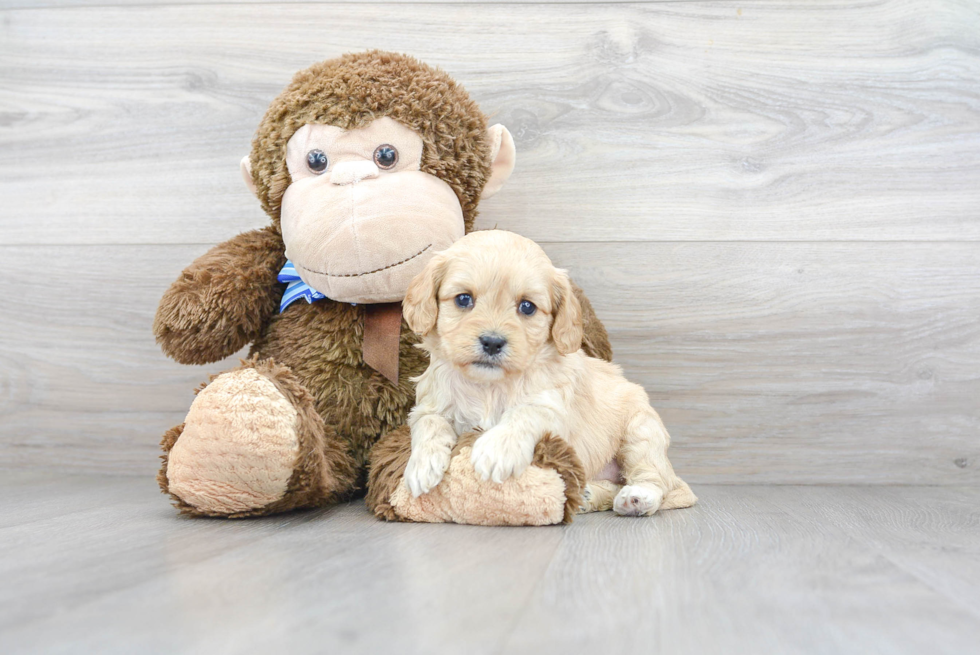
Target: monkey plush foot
x=548, y=492
x=253, y=444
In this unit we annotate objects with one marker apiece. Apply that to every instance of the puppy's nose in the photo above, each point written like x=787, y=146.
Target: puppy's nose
x=492, y=343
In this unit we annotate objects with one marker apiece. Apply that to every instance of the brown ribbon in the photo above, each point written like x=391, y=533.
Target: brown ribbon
x=382, y=335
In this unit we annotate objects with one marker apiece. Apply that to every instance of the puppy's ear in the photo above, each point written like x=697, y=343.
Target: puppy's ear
x=421, y=305
x=566, y=327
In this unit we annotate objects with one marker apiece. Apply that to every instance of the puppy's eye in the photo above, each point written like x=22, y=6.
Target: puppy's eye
x=386, y=156
x=464, y=301
x=317, y=161
x=527, y=308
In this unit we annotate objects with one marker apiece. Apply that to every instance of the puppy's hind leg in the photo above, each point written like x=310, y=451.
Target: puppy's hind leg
x=598, y=496
x=647, y=471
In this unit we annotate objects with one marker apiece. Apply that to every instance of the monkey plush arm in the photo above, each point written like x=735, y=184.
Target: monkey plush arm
x=221, y=302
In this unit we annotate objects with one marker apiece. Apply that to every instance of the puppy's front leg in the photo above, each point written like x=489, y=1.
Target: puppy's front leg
x=433, y=439
x=507, y=448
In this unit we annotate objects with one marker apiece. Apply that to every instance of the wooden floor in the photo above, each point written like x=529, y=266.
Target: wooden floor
x=92, y=564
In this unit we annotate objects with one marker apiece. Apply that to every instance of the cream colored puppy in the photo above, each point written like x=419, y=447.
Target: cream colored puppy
x=504, y=332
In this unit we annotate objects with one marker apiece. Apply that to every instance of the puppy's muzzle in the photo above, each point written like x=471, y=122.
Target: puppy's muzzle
x=492, y=344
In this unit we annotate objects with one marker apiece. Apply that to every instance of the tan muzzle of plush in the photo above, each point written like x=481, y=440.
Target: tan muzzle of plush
x=361, y=237
x=357, y=232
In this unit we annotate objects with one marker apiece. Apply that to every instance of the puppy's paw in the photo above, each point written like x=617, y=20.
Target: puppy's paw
x=498, y=454
x=425, y=469
x=634, y=500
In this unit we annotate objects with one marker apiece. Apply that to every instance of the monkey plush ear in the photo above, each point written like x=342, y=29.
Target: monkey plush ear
x=503, y=156
x=421, y=304
x=247, y=174
x=566, y=327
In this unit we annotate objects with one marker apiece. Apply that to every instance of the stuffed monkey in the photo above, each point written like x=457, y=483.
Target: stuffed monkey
x=367, y=165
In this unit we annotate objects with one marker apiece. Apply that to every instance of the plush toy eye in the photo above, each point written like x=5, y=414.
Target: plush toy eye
x=527, y=308
x=464, y=301
x=317, y=161
x=386, y=156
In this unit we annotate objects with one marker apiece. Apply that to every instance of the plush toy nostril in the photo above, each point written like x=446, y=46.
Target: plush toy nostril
x=492, y=343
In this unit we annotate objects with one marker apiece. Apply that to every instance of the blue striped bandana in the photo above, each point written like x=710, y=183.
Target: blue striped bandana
x=295, y=287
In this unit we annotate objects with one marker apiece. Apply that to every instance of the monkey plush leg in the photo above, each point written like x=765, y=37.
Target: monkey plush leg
x=253, y=444
x=548, y=492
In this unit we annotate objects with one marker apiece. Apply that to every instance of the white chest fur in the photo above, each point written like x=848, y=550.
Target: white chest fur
x=472, y=405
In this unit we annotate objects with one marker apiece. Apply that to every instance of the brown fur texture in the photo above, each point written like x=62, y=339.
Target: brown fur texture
x=555, y=453
x=222, y=301
x=388, y=460
x=595, y=339
x=166, y=443
x=230, y=296
x=321, y=343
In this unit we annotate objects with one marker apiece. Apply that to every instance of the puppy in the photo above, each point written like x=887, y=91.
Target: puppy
x=504, y=333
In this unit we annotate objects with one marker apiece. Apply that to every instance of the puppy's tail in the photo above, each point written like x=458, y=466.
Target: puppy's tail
x=679, y=497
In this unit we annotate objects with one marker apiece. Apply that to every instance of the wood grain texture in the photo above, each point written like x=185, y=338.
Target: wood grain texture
x=95, y=565
x=664, y=121
x=763, y=570
x=915, y=534
x=769, y=362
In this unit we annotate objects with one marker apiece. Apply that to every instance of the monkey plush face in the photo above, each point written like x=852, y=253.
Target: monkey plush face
x=360, y=218
x=370, y=164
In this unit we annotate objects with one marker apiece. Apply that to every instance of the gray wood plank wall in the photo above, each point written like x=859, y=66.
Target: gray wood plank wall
x=774, y=206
